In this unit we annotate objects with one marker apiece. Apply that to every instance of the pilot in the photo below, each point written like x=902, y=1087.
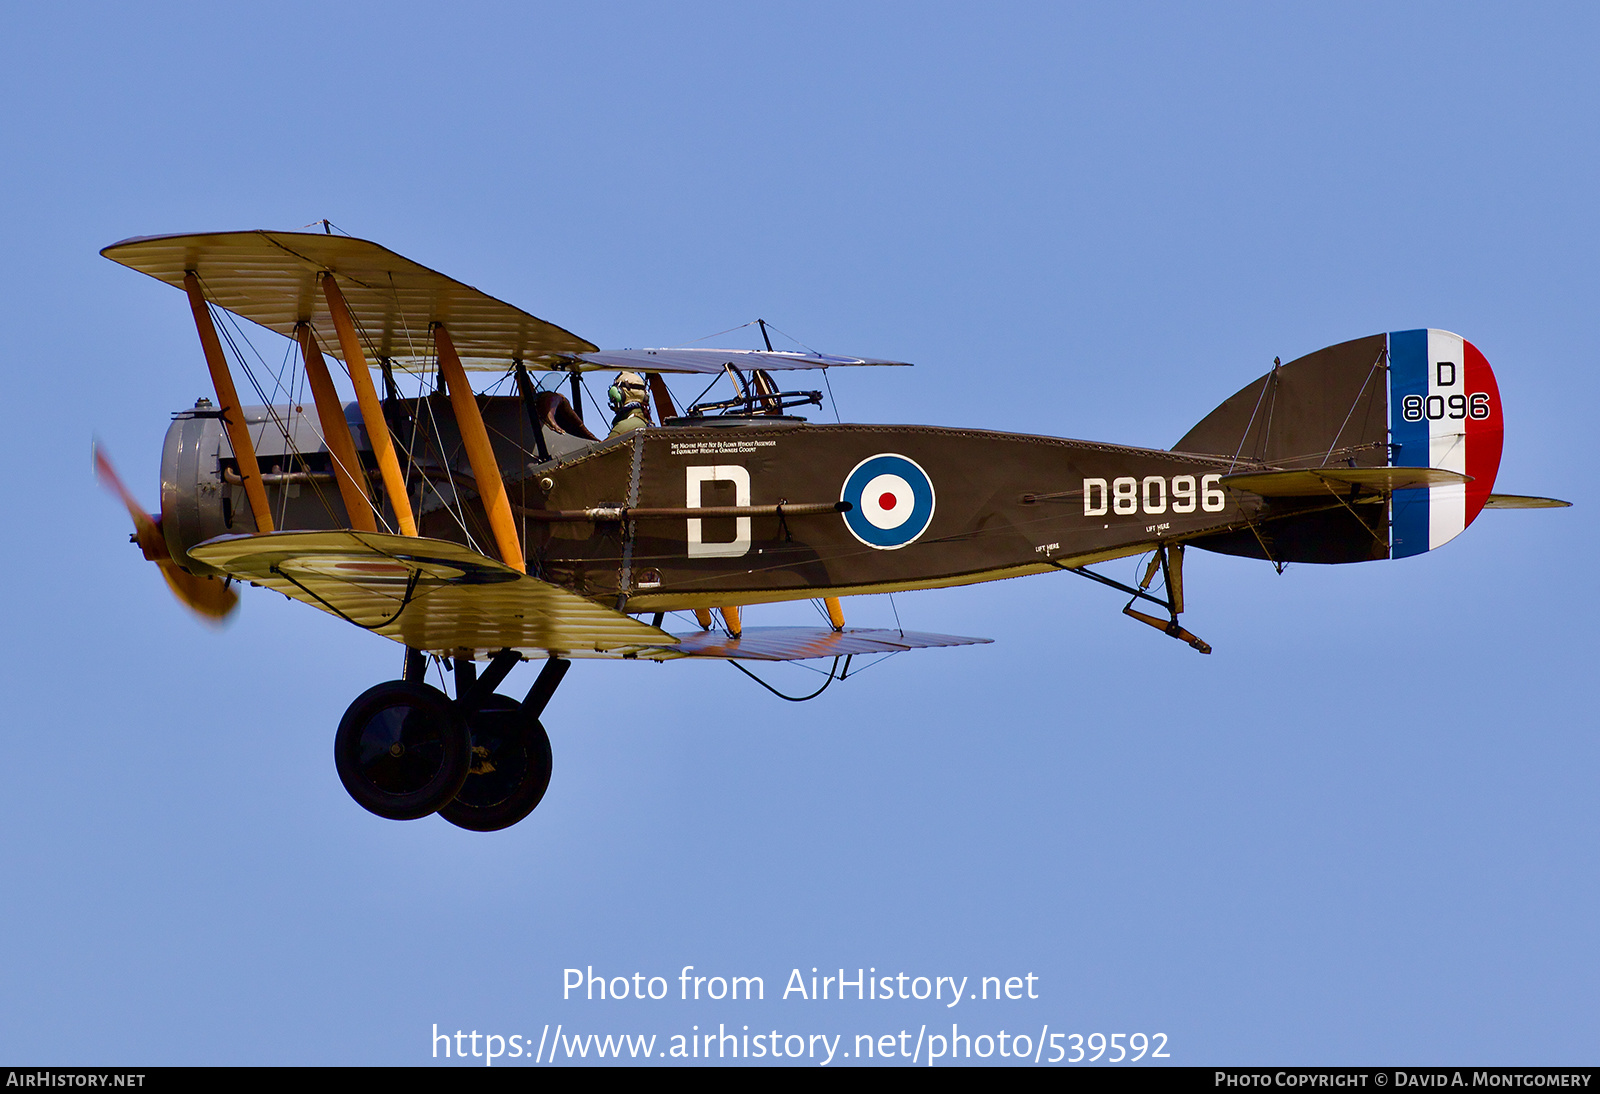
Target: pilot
x=630, y=404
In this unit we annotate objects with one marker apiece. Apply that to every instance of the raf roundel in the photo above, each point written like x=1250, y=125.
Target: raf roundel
x=891, y=501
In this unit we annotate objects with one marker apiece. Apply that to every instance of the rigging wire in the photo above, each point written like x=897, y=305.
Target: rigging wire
x=849, y=675
x=358, y=473
x=416, y=419
x=795, y=698
x=295, y=399
x=272, y=411
x=458, y=510
x=709, y=386
x=598, y=409
x=1377, y=362
x=719, y=334
x=405, y=601
x=1266, y=382
x=411, y=459
x=833, y=400
x=328, y=227
x=792, y=338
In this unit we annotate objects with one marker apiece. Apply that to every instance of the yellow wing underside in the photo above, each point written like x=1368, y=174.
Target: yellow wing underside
x=430, y=594
x=271, y=278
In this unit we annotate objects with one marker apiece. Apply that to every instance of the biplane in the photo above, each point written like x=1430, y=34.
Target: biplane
x=488, y=527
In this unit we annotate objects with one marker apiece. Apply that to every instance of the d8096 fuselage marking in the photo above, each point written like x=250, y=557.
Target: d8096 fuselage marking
x=1153, y=495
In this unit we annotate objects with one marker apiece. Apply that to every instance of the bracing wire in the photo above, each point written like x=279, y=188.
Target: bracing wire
x=454, y=503
x=278, y=386
x=718, y=334
x=792, y=338
x=795, y=698
x=833, y=400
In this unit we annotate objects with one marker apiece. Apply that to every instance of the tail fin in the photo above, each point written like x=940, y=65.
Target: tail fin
x=1444, y=412
x=1418, y=398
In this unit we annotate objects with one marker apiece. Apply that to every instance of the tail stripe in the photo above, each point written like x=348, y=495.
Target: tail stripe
x=1447, y=436
x=1408, y=376
x=1485, y=435
x=1444, y=412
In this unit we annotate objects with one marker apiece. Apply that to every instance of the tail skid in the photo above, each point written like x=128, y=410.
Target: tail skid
x=1169, y=560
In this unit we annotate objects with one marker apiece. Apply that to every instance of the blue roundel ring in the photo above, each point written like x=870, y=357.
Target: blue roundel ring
x=891, y=501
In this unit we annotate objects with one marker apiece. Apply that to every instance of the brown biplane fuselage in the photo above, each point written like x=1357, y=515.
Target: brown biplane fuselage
x=611, y=520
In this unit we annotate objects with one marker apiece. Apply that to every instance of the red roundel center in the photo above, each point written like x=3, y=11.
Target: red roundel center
x=886, y=501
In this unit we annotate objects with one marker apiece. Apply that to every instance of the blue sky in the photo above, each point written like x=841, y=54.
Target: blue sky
x=1363, y=831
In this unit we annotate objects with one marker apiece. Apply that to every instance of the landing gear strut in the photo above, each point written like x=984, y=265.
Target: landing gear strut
x=481, y=761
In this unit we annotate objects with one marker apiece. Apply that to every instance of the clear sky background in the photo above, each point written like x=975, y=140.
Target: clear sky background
x=1363, y=831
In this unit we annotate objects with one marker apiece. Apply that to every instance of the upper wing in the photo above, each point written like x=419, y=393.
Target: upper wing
x=431, y=594
x=715, y=360
x=270, y=278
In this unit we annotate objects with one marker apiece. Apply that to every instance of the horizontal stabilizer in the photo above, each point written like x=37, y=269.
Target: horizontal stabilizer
x=1522, y=501
x=1319, y=481
x=800, y=643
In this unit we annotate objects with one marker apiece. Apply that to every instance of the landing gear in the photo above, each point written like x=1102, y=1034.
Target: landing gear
x=402, y=750
x=510, y=768
x=481, y=761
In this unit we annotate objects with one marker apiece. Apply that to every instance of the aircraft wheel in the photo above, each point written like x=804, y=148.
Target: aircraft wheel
x=510, y=769
x=402, y=750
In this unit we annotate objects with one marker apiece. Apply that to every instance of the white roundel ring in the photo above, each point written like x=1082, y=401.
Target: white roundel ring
x=891, y=501
x=887, y=502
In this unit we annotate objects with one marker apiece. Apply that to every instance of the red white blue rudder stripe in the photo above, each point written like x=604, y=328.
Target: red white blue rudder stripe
x=1444, y=412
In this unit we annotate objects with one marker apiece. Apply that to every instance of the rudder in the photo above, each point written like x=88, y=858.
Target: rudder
x=1444, y=412
x=1420, y=398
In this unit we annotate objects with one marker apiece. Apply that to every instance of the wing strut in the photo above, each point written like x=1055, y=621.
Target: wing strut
x=835, y=612
x=730, y=620
x=485, y=468
x=228, y=402
x=662, y=397
x=336, y=434
x=530, y=404
x=394, y=482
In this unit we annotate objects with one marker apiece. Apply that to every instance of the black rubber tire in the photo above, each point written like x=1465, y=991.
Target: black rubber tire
x=510, y=769
x=402, y=750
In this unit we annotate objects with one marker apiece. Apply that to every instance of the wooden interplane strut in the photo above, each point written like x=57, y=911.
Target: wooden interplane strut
x=355, y=358
x=244, y=452
x=485, y=468
x=336, y=434
x=835, y=612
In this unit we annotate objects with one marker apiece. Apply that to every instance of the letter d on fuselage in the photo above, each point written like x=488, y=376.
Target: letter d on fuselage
x=697, y=478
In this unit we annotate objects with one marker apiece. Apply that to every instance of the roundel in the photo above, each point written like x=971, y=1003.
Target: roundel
x=891, y=501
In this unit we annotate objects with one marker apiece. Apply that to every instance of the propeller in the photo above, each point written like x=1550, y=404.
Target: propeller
x=205, y=596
